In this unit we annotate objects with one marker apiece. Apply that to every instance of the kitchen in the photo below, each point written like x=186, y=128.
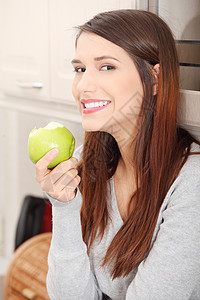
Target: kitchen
x=37, y=45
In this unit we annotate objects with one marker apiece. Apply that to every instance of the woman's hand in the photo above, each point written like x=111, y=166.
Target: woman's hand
x=61, y=182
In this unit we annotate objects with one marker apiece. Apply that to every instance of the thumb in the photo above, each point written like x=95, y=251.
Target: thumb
x=42, y=164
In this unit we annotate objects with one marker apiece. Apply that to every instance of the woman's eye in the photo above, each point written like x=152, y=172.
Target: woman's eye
x=107, y=68
x=79, y=70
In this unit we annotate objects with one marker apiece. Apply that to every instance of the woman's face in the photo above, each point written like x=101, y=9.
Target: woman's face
x=107, y=86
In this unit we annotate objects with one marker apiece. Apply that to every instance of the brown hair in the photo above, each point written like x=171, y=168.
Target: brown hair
x=159, y=147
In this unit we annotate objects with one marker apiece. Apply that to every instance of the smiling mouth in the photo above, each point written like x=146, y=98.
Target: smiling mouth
x=89, y=106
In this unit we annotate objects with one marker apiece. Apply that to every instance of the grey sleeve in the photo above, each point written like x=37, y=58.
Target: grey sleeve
x=69, y=275
x=172, y=267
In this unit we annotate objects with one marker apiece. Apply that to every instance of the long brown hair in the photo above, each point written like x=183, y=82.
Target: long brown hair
x=160, y=147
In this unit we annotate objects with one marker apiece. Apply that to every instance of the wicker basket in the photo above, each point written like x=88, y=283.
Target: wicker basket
x=26, y=275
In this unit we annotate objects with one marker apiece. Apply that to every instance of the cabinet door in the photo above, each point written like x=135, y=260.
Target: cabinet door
x=64, y=15
x=24, y=41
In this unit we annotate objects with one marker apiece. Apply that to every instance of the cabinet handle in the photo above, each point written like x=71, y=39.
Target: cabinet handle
x=35, y=85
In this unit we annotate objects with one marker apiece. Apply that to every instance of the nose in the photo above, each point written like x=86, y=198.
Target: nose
x=87, y=82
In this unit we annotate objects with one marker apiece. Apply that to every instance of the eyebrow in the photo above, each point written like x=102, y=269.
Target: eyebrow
x=74, y=61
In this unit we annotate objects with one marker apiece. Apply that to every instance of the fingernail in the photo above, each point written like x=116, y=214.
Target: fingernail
x=54, y=152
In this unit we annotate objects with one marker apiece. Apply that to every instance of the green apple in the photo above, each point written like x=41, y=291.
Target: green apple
x=53, y=135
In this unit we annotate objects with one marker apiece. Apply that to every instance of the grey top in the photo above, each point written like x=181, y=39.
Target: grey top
x=171, y=270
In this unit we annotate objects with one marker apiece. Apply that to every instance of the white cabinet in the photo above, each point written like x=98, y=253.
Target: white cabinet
x=63, y=19
x=37, y=45
x=24, y=44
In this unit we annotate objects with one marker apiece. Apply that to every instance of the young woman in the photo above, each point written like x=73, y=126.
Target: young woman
x=126, y=208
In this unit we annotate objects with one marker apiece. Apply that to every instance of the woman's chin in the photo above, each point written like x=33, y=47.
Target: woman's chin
x=89, y=126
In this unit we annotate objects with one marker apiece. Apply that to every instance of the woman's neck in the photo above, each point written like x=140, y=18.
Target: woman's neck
x=126, y=164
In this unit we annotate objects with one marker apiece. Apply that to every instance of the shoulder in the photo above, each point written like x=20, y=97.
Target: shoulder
x=191, y=168
x=186, y=187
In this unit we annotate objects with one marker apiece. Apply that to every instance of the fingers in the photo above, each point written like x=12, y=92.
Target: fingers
x=69, y=192
x=62, y=181
x=60, y=191
x=63, y=167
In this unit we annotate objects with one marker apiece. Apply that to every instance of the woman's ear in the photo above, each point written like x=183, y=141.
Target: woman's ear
x=155, y=71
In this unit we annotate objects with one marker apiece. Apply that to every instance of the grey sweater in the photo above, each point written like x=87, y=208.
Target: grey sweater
x=171, y=270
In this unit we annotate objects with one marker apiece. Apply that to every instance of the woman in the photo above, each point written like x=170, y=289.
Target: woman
x=132, y=229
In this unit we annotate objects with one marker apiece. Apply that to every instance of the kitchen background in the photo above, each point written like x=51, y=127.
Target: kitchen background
x=36, y=47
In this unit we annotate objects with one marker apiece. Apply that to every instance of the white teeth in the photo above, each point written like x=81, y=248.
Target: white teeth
x=96, y=104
